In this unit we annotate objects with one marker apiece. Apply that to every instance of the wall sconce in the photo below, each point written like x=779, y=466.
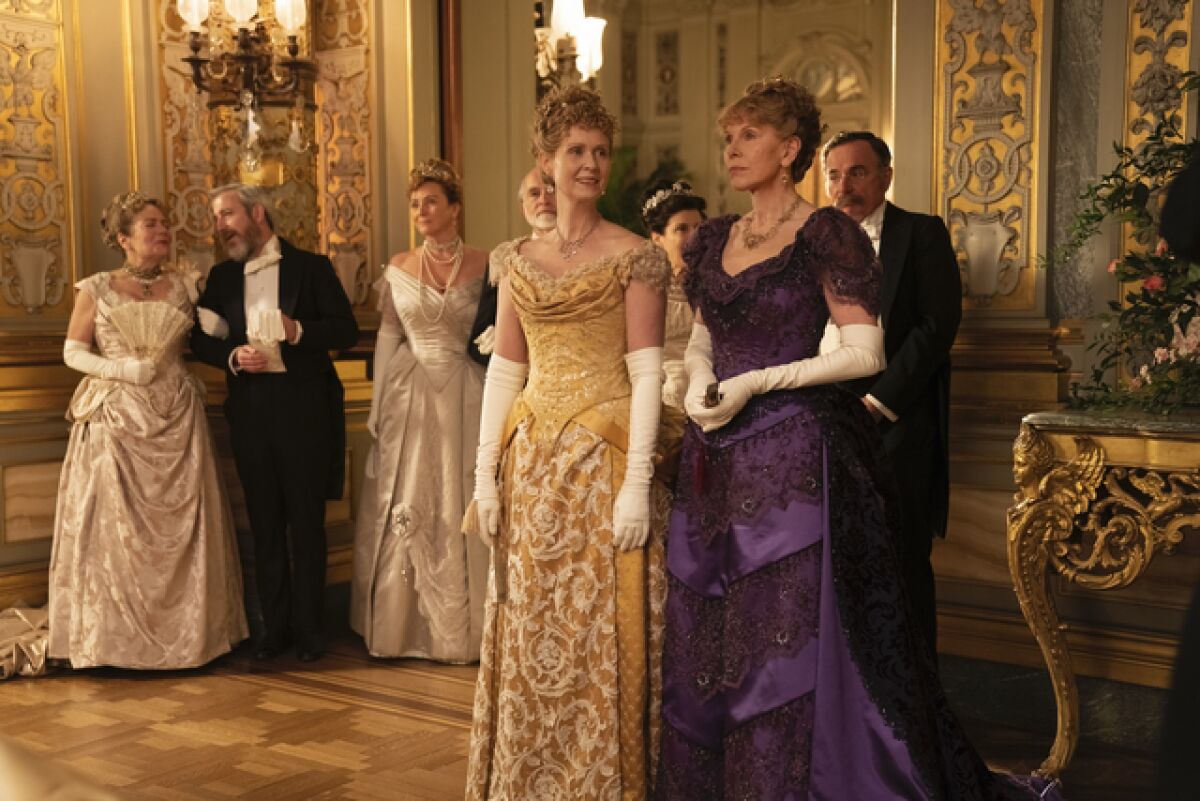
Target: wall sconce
x=571, y=50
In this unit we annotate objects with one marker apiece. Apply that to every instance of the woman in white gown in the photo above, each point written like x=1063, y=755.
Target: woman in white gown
x=672, y=213
x=418, y=583
x=144, y=571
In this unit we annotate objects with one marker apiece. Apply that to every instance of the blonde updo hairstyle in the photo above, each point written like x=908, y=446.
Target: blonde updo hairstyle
x=566, y=108
x=438, y=172
x=787, y=107
x=117, y=218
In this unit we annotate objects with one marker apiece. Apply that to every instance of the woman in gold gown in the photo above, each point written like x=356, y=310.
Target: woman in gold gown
x=567, y=699
x=144, y=570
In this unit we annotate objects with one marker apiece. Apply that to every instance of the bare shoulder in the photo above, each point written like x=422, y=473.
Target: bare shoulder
x=405, y=261
x=617, y=239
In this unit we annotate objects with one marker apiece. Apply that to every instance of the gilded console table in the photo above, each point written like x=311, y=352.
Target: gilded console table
x=1099, y=495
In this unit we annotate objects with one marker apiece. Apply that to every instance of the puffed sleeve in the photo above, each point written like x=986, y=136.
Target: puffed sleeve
x=843, y=258
x=499, y=259
x=93, y=284
x=647, y=263
x=711, y=234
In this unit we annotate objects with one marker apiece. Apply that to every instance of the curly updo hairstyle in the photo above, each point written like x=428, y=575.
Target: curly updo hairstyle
x=117, y=217
x=563, y=109
x=665, y=199
x=439, y=172
x=787, y=107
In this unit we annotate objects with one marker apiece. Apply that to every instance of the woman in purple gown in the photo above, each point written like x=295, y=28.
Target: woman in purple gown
x=792, y=667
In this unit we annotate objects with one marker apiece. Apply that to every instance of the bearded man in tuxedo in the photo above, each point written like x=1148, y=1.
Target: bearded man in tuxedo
x=269, y=316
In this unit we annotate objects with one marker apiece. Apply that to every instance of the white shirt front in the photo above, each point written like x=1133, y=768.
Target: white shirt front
x=261, y=294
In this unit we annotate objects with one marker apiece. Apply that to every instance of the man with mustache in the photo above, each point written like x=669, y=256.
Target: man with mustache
x=285, y=309
x=920, y=309
x=541, y=212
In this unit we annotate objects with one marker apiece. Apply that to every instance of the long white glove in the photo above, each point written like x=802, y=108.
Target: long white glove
x=860, y=354
x=78, y=356
x=387, y=342
x=631, y=510
x=698, y=364
x=505, y=379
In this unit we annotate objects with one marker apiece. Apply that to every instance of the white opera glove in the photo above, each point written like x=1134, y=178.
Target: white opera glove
x=631, y=510
x=266, y=325
x=860, y=354
x=698, y=364
x=387, y=342
x=212, y=323
x=78, y=356
x=505, y=380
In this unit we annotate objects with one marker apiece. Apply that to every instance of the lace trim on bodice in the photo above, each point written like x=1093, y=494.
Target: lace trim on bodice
x=574, y=326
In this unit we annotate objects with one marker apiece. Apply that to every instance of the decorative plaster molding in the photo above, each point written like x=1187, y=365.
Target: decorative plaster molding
x=987, y=99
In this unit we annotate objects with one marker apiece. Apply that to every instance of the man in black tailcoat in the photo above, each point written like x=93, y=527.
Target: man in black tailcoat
x=920, y=309
x=269, y=316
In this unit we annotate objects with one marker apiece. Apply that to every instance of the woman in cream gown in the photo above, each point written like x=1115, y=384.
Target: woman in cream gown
x=418, y=583
x=566, y=704
x=672, y=213
x=144, y=571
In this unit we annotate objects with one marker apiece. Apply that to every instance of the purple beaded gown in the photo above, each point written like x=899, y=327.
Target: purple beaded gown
x=792, y=669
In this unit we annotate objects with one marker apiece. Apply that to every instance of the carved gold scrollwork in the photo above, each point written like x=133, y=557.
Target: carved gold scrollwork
x=1095, y=526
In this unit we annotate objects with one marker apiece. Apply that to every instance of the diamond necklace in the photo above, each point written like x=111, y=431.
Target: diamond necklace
x=751, y=240
x=567, y=248
x=144, y=277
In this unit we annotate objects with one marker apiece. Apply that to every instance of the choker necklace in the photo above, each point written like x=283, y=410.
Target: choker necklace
x=144, y=277
x=443, y=251
x=423, y=266
x=752, y=240
x=567, y=248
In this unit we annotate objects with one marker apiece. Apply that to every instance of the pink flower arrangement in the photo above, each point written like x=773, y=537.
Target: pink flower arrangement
x=1155, y=283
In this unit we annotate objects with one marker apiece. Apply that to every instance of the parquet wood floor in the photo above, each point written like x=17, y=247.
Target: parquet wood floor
x=345, y=727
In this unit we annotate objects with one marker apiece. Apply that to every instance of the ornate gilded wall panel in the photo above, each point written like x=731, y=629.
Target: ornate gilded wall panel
x=343, y=136
x=36, y=232
x=1158, y=51
x=987, y=94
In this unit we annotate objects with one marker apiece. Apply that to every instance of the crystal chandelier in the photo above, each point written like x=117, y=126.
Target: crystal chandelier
x=253, y=75
x=571, y=50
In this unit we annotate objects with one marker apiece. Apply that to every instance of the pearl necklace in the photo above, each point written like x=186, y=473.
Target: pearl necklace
x=752, y=240
x=455, y=259
x=144, y=277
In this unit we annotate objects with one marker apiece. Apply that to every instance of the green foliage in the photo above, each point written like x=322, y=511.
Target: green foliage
x=622, y=200
x=1148, y=347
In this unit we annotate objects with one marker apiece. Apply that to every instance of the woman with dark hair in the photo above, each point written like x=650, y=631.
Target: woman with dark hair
x=792, y=665
x=418, y=584
x=144, y=572
x=672, y=214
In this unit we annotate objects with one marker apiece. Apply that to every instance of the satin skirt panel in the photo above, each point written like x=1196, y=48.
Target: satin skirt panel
x=144, y=571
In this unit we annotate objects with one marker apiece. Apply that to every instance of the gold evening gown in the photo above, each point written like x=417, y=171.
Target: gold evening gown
x=419, y=584
x=144, y=571
x=567, y=700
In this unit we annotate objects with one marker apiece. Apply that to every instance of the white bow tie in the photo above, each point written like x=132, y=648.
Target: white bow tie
x=265, y=260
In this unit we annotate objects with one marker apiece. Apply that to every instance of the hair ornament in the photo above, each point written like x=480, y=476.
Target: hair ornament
x=677, y=188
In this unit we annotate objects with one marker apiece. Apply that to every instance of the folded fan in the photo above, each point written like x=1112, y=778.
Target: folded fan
x=149, y=327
